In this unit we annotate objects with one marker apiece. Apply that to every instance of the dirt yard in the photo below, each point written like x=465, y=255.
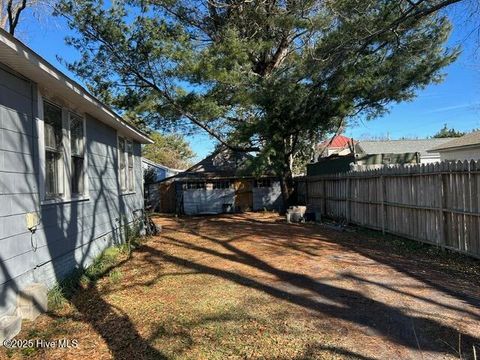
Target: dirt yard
x=252, y=286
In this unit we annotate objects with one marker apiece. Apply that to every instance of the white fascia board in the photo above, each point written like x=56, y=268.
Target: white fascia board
x=26, y=62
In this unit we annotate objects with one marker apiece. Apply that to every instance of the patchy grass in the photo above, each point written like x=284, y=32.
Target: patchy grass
x=441, y=258
x=61, y=293
x=251, y=286
x=104, y=264
x=115, y=276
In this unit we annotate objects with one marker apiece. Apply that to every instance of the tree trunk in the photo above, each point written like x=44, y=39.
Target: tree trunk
x=286, y=185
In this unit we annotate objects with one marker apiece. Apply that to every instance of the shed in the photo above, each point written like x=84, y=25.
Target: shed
x=219, y=183
x=154, y=173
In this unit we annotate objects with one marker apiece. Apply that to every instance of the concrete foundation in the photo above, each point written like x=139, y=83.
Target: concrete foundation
x=10, y=326
x=32, y=301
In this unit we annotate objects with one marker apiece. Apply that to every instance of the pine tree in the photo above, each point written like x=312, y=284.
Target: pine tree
x=265, y=76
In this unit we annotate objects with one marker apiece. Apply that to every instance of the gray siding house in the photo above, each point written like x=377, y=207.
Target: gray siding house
x=70, y=174
x=158, y=171
x=462, y=148
x=419, y=146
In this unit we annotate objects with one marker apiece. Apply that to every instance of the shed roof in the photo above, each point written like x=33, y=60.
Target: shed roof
x=160, y=166
x=223, y=163
x=399, y=146
x=468, y=140
x=20, y=58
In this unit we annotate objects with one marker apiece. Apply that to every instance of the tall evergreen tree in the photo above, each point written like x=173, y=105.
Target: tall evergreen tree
x=268, y=76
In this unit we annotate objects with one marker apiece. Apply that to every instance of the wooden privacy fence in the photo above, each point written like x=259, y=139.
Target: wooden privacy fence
x=435, y=203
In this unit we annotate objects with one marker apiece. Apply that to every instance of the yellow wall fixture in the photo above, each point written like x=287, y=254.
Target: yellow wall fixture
x=32, y=221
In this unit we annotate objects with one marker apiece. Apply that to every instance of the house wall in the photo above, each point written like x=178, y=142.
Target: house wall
x=429, y=158
x=269, y=198
x=472, y=153
x=212, y=201
x=200, y=201
x=68, y=235
x=160, y=173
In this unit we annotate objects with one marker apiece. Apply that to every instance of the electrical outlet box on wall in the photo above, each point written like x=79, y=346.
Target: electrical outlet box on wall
x=32, y=220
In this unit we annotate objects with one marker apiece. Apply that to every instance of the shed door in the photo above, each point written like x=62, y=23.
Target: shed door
x=167, y=197
x=243, y=195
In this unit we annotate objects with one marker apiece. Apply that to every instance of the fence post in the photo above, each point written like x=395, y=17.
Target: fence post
x=382, y=200
x=347, y=194
x=306, y=191
x=441, y=194
x=324, y=210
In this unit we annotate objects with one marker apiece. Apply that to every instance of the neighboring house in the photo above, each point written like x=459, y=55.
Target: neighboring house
x=398, y=147
x=337, y=145
x=463, y=148
x=158, y=171
x=153, y=173
x=219, y=183
x=70, y=174
x=375, y=154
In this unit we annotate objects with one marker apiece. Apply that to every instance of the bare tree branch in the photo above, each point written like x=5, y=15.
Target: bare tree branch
x=13, y=11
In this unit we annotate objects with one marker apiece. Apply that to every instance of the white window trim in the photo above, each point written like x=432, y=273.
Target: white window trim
x=125, y=191
x=85, y=195
x=66, y=166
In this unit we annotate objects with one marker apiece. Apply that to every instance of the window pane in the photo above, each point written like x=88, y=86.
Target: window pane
x=131, y=180
x=76, y=135
x=77, y=175
x=260, y=183
x=53, y=126
x=122, y=165
x=51, y=174
x=226, y=184
x=53, y=134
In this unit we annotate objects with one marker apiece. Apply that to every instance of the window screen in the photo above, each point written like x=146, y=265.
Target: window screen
x=77, y=143
x=53, y=136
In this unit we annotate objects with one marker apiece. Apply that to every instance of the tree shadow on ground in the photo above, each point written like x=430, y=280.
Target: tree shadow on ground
x=415, y=332
x=306, y=238
x=115, y=327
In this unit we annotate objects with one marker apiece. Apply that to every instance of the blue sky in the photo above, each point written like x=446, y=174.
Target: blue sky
x=455, y=102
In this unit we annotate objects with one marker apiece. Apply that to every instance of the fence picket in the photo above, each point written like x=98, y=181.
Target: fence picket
x=436, y=203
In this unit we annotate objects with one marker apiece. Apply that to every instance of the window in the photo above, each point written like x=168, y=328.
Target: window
x=77, y=146
x=263, y=183
x=194, y=186
x=131, y=178
x=122, y=164
x=126, y=165
x=222, y=184
x=64, y=153
x=53, y=135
